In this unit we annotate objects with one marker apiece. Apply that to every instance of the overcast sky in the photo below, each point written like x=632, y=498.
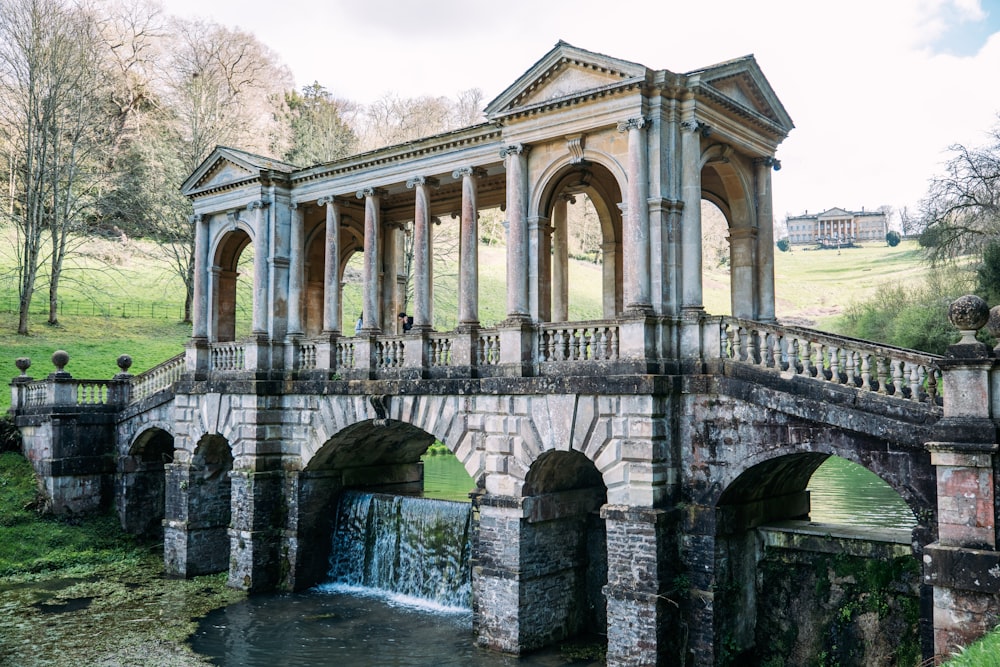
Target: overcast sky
x=878, y=89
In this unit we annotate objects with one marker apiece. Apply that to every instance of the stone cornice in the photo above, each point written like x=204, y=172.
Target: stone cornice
x=484, y=133
x=572, y=99
x=708, y=92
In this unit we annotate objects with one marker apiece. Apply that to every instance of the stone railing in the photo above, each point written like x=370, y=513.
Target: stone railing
x=488, y=348
x=439, y=350
x=866, y=366
x=67, y=392
x=343, y=356
x=307, y=355
x=389, y=352
x=157, y=378
x=229, y=356
x=590, y=341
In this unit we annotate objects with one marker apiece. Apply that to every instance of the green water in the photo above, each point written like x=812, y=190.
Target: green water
x=840, y=491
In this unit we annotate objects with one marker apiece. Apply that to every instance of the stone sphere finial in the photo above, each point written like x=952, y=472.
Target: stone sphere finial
x=124, y=363
x=969, y=314
x=23, y=364
x=993, y=324
x=59, y=359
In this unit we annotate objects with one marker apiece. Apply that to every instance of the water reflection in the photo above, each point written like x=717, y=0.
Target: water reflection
x=846, y=493
x=327, y=627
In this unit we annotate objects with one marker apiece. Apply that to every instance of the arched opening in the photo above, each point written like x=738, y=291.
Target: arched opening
x=349, y=272
x=787, y=588
x=715, y=259
x=581, y=205
x=142, y=483
x=564, y=559
x=727, y=185
x=232, y=297
x=209, y=507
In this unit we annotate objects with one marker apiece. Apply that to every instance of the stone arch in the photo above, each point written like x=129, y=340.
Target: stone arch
x=314, y=287
x=226, y=256
x=768, y=487
x=209, y=503
x=141, y=482
x=568, y=555
x=602, y=179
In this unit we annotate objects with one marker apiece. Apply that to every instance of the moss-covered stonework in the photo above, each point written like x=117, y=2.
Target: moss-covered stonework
x=824, y=610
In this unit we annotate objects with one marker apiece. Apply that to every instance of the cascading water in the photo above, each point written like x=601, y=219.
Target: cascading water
x=413, y=547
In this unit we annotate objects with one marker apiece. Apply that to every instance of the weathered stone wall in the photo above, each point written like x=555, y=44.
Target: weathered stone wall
x=855, y=603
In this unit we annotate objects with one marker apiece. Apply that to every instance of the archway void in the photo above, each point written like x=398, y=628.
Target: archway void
x=233, y=257
x=564, y=546
x=210, y=501
x=142, y=483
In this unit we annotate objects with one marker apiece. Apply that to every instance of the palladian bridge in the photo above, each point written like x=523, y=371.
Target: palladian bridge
x=660, y=451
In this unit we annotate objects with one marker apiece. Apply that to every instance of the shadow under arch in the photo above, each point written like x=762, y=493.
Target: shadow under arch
x=598, y=183
x=141, y=483
x=564, y=554
x=763, y=534
x=209, y=507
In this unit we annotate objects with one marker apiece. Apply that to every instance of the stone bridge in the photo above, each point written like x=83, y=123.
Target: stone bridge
x=629, y=471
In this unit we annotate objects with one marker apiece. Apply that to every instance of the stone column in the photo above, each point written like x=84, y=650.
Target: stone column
x=691, y=269
x=260, y=266
x=560, y=259
x=296, y=271
x=331, y=269
x=468, y=283
x=741, y=272
x=517, y=231
x=370, y=296
x=539, y=268
x=423, y=316
x=390, y=268
x=199, y=313
x=765, y=239
x=636, y=232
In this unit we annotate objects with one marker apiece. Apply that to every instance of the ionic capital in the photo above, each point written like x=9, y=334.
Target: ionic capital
x=423, y=180
x=569, y=199
x=369, y=192
x=696, y=126
x=474, y=172
x=632, y=124
x=767, y=162
x=326, y=201
x=196, y=218
x=259, y=203
x=514, y=149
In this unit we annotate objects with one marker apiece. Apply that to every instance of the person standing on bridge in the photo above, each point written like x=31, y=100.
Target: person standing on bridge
x=406, y=321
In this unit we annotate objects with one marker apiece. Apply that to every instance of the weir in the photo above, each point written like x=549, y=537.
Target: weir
x=414, y=547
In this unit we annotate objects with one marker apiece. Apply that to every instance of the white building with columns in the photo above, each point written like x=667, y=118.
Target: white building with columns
x=836, y=225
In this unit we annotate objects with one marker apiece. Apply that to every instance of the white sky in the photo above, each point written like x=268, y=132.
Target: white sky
x=878, y=89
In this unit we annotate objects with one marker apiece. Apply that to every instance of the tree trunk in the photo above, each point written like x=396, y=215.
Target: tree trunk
x=54, y=297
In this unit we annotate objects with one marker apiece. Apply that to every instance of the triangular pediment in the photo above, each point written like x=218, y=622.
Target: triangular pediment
x=835, y=213
x=564, y=72
x=229, y=165
x=742, y=82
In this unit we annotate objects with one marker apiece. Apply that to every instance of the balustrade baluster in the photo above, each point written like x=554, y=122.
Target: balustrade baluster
x=767, y=359
x=932, y=386
x=866, y=372
x=805, y=354
x=849, y=361
x=914, y=382
x=834, y=360
x=736, y=351
x=897, y=378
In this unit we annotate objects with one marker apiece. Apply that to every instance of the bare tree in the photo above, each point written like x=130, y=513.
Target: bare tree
x=961, y=211
x=220, y=87
x=50, y=84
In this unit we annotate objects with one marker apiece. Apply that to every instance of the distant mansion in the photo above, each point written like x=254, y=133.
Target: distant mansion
x=836, y=226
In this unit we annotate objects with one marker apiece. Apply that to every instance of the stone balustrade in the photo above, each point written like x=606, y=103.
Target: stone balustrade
x=578, y=341
x=229, y=356
x=866, y=366
x=157, y=378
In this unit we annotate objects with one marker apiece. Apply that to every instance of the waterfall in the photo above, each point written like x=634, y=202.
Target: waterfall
x=406, y=546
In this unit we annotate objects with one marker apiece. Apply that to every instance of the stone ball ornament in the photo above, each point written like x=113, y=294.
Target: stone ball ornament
x=23, y=364
x=968, y=314
x=59, y=359
x=124, y=363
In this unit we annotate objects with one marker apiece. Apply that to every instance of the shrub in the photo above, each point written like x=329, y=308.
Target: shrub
x=784, y=245
x=892, y=238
